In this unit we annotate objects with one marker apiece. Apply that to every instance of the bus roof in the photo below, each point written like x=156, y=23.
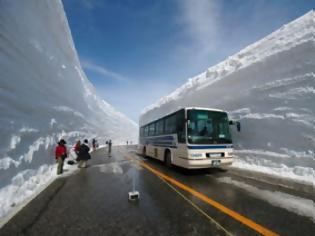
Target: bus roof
x=202, y=108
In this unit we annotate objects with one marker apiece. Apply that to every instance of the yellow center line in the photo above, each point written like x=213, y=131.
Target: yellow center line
x=196, y=207
x=244, y=220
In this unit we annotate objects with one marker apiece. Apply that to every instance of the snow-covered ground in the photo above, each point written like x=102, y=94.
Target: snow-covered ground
x=270, y=87
x=44, y=96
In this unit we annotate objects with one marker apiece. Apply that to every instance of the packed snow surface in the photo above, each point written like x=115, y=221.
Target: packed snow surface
x=270, y=88
x=298, y=205
x=44, y=96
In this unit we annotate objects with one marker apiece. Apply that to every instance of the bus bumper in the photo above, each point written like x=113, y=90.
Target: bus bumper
x=205, y=163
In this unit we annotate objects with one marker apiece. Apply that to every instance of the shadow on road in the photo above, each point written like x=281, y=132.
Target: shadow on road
x=183, y=171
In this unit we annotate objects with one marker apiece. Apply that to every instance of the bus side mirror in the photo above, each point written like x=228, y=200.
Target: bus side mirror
x=237, y=123
x=238, y=126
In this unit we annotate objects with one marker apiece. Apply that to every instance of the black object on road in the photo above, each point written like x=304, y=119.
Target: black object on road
x=70, y=162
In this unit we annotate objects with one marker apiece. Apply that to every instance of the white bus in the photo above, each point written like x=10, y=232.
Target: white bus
x=191, y=137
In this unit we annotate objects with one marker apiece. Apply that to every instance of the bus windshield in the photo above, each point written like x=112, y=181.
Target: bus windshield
x=208, y=127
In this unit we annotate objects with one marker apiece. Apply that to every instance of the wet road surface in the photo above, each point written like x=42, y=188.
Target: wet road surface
x=94, y=201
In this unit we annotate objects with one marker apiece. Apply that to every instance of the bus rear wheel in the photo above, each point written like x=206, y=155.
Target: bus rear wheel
x=167, y=159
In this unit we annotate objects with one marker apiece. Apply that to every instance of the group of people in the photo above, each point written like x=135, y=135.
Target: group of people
x=82, y=152
x=129, y=142
x=94, y=144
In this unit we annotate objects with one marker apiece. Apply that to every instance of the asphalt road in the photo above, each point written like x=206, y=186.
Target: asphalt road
x=94, y=201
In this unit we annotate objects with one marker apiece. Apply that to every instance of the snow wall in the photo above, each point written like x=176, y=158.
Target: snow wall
x=268, y=86
x=44, y=96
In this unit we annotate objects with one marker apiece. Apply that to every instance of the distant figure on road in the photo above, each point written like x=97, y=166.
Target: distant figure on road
x=77, y=149
x=94, y=144
x=127, y=143
x=84, y=154
x=109, y=147
x=60, y=155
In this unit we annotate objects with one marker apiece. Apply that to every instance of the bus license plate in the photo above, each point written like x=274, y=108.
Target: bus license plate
x=216, y=163
x=215, y=154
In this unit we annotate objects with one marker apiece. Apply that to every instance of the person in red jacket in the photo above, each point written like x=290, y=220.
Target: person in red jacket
x=61, y=155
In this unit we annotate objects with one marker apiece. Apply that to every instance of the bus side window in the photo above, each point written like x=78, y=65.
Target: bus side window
x=163, y=126
x=151, y=129
x=159, y=127
x=155, y=128
x=169, y=125
x=180, y=126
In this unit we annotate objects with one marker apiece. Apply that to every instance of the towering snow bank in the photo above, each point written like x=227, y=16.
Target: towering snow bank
x=269, y=86
x=44, y=95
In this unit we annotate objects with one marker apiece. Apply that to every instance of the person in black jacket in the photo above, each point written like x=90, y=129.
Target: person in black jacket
x=94, y=144
x=84, y=154
x=109, y=147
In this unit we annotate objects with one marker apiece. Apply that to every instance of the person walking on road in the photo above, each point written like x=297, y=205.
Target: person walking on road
x=60, y=155
x=94, y=144
x=77, y=149
x=109, y=147
x=84, y=154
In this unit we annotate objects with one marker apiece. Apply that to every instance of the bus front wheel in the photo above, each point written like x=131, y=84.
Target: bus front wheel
x=167, y=159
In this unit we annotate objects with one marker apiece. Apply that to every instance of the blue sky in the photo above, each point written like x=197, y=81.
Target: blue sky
x=136, y=51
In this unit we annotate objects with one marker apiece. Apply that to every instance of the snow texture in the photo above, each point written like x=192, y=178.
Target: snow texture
x=44, y=96
x=298, y=205
x=270, y=87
